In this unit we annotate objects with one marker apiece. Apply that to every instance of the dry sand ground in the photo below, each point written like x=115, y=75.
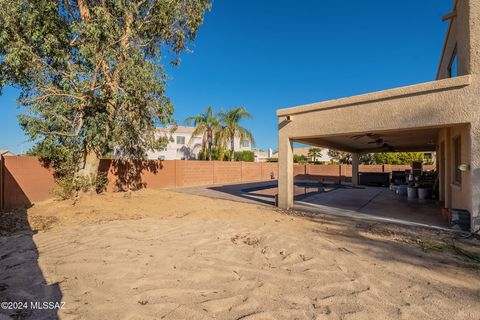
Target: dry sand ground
x=166, y=255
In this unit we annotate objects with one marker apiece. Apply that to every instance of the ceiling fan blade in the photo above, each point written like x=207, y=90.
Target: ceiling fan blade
x=358, y=136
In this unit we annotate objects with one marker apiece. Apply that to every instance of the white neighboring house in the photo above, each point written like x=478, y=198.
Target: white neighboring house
x=263, y=156
x=183, y=147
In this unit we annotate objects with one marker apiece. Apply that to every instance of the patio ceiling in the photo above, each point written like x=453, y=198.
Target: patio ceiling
x=378, y=141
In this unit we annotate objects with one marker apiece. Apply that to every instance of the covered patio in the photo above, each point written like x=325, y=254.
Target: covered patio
x=356, y=202
x=441, y=115
x=375, y=204
x=410, y=119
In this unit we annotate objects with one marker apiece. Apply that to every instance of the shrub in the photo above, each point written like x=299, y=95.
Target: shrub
x=300, y=159
x=247, y=156
x=70, y=187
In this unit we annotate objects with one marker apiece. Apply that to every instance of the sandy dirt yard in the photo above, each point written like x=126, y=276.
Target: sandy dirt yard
x=165, y=255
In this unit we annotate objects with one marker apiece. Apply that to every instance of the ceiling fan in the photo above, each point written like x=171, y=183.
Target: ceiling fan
x=368, y=135
x=377, y=139
x=387, y=147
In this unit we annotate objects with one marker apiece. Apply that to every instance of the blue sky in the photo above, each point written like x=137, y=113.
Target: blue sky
x=267, y=55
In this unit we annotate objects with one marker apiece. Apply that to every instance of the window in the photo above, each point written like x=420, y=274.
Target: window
x=453, y=68
x=457, y=145
x=245, y=144
x=180, y=140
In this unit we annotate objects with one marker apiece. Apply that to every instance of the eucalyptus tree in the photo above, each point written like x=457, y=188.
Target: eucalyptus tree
x=231, y=127
x=208, y=126
x=91, y=72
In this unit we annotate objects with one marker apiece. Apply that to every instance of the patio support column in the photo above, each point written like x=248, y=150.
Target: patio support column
x=285, y=172
x=355, y=163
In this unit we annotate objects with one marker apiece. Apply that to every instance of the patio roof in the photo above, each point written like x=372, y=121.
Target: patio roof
x=379, y=141
x=413, y=90
x=401, y=119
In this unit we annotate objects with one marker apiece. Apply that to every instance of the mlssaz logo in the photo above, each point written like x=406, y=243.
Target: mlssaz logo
x=46, y=305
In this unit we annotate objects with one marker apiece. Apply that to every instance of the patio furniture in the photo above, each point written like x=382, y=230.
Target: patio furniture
x=374, y=179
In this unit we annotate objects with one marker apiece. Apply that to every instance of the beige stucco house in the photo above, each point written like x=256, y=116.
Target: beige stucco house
x=184, y=145
x=442, y=116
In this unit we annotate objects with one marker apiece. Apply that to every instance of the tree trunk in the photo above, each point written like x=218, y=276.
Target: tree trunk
x=209, y=146
x=204, y=151
x=89, y=168
x=232, y=147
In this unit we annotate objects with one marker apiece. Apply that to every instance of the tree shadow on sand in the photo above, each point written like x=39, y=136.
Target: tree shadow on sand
x=21, y=278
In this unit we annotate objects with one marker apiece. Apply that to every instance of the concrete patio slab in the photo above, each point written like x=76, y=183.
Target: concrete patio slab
x=346, y=199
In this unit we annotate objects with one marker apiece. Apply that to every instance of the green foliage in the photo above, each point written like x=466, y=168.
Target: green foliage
x=214, y=154
x=340, y=156
x=247, y=156
x=68, y=186
x=398, y=158
x=300, y=159
x=218, y=130
x=91, y=74
x=314, y=153
x=207, y=125
x=218, y=154
x=231, y=128
x=101, y=182
x=367, y=158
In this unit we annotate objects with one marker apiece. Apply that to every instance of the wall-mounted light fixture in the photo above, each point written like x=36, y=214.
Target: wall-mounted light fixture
x=464, y=167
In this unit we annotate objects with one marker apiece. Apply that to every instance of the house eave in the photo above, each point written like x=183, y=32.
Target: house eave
x=418, y=89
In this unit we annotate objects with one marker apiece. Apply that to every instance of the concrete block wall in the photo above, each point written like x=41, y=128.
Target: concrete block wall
x=299, y=169
x=24, y=180
x=226, y=172
x=190, y=173
x=251, y=171
x=323, y=170
x=269, y=168
x=370, y=168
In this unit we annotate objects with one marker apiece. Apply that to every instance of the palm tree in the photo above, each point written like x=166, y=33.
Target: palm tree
x=207, y=125
x=314, y=153
x=232, y=129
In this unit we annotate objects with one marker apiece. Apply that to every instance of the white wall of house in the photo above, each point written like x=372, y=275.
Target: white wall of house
x=324, y=157
x=183, y=146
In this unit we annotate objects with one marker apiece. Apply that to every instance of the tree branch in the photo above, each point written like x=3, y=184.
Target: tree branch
x=84, y=11
x=45, y=96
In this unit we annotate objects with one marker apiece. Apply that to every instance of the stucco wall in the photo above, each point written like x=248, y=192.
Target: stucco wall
x=460, y=193
x=430, y=108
